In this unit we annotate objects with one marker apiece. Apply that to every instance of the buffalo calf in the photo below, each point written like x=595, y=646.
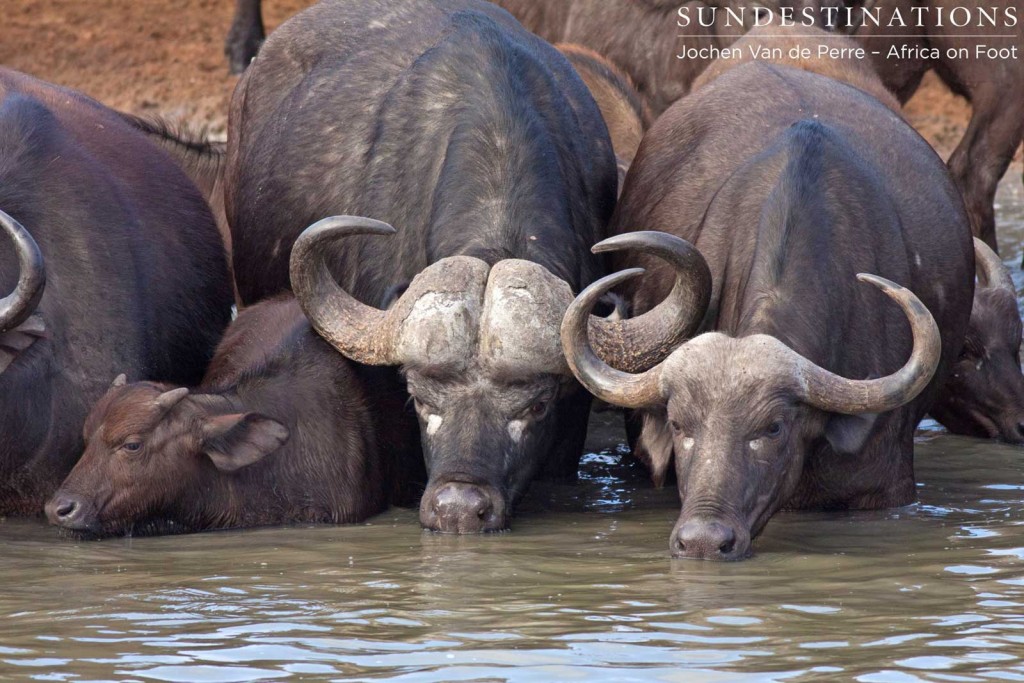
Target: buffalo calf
x=283, y=429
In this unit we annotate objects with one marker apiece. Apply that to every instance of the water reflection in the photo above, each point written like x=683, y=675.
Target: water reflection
x=583, y=589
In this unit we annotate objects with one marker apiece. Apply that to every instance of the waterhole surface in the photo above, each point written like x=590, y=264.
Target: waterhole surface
x=582, y=590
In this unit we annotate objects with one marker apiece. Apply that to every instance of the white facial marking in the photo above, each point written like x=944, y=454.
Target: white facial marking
x=688, y=443
x=433, y=424
x=755, y=445
x=515, y=429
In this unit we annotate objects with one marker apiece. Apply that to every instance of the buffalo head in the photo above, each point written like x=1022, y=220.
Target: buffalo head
x=479, y=347
x=741, y=414
x=152, y=452
x=984, y=395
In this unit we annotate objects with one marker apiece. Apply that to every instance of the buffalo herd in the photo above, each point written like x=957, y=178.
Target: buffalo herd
x=445, y=235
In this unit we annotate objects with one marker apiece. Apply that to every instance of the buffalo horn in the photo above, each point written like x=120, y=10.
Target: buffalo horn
x=17, y=306
x=601, y=379
x=636, y=344
x=991, y=270
x=360, y=332
x=832, y=393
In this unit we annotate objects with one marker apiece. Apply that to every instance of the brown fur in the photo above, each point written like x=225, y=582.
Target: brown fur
x=625, y=112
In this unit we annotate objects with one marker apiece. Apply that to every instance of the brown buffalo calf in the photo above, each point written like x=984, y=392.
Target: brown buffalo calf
x=282, y=430
x=625, y=111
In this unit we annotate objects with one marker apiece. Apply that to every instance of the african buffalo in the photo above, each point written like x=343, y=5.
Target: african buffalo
x=481, y=144
x=478, y=345
x=135, y=275
x=790, y=184
x=984, y=395
x=283, y=429
x=985, y=392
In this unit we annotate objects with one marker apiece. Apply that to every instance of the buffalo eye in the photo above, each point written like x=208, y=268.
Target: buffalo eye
x=674, y=426
x=538, y=408
x=131, y=446
x=774, y=429
x=424, y=406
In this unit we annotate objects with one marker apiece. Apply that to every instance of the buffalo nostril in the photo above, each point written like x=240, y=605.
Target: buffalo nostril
x=705, y=539
x=727, y=545
x=67, y=509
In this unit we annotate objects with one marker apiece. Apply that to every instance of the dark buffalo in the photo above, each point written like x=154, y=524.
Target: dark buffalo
x=283, y=429
x=624, y=110
x=767, y=170
x=992, y=86
x=135, y=276
x=985, y=392
x=643, y=37
x=481, y=144
x=984, y=395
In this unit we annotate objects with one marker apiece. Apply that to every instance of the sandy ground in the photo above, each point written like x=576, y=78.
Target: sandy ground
x=166, y=57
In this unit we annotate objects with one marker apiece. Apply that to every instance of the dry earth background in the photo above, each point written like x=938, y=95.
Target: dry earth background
x=165, y=57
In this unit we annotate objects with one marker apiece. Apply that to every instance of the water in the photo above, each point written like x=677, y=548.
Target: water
x=582, y=590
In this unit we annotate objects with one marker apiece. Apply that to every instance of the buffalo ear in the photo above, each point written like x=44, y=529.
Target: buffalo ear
x=654, y=447
x=394, y=293
x=236, y=441
x=847, y=434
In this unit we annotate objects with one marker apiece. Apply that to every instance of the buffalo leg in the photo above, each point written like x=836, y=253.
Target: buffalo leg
x=246, y=35
x=564, y=463
x=984, y=154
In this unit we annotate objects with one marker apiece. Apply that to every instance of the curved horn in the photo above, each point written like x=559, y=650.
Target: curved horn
x=836, y=394
x=636, y=344
x=602, y=380
x=17, y=306
x=360, y=332
x=991, y=270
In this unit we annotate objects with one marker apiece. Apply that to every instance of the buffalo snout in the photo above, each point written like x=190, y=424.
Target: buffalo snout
x=703, y=538
x=1011, y=427
x=463, y=508
x=71, y=511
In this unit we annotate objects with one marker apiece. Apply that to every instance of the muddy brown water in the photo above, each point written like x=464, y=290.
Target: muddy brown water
x=582, y=589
